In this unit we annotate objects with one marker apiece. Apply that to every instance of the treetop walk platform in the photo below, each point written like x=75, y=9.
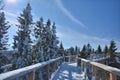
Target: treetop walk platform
x=65, y=68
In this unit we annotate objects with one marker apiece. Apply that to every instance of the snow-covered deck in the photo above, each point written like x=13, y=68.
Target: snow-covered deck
x=64, y=68
x=68, y=71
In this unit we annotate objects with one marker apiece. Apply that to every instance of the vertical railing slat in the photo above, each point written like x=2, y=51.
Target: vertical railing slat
x=112, y=76
x=32, y=75
x=47, y=72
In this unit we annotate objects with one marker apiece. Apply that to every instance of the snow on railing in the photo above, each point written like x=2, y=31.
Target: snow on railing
x=29, y=71
x=90, y=68
x=6, y=67
x=99, y=59
x=98, y=71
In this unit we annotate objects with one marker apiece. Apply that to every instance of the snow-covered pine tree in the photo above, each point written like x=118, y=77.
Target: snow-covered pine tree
x=54, y=42
x=61, y=50
x=88, y=49
x=15, y=42
x=23, y=43
x=83, y=52
x=111, y=51
x=77, y=50
x=106, y=50
x=38, y=36
x=46, y=36
x=3, y=31
x=99, y=49
x=4, y=26
x=72, y=51
x=3, y=61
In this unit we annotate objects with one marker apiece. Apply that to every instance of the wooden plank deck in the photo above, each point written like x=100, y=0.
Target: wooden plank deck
x=68, y=71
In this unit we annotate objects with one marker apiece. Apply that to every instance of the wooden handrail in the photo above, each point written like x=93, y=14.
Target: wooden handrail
x=102, y=66
x=23, y=71
x=30, y=70
x=112, y=70
x=107, y=68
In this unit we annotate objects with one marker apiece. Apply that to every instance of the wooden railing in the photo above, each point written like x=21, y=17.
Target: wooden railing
x=40, y=71
x=94, y=70
x=98, y=71
x=44, y=70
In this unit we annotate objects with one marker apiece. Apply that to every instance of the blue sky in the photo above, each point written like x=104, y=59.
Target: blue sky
x=78, y=21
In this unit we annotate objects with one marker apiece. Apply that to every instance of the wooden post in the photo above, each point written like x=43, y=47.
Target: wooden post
x=60, y=61
x=98, y=73
x=32, y=75
x=76, y=58
x=85, y=69
x=69, y=59
x=54, y=66
x=47, y=72
x=112, y=76
x=93, y=71
x=64, y=59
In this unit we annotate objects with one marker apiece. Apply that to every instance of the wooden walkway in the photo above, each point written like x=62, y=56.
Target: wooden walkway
x=68, y=71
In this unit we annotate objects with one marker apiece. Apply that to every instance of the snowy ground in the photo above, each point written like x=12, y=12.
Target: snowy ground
x=68, y=71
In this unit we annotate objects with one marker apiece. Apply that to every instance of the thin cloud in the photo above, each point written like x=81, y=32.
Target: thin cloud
x=73, y=38
x=11, y=17
x=68, y=13
x=10, y=14
x=79, y=36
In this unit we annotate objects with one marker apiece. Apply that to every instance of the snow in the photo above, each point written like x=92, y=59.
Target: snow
x=22, y=71
x=68, y=71
x=6, y=66
x=99, y=59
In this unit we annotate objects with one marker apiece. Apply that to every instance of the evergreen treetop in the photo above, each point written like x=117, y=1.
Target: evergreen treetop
x=99, y=49
x=3, y=31
x=106, y=50
x=112, y=49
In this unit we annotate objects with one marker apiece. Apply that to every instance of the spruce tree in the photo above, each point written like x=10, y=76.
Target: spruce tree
x=112, y=49
x=61, y=50
x=83, y=52
x=23, y=41
x=88, y=49
x=38, y=45
x=3, y=31
x=54, y=42
x=99, y=49
x=4, y=26
x=106, y=50
x=72, y=51
x=3, y=61
x=15, y=42
x=46, y=33
x=77, y=49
